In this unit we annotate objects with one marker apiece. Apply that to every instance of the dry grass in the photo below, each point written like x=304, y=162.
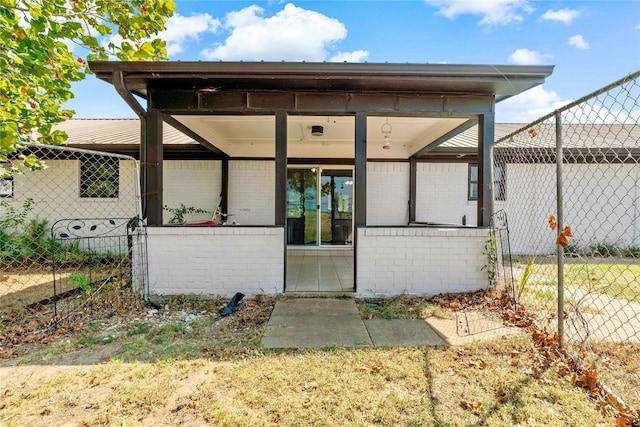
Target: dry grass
x=185, y=366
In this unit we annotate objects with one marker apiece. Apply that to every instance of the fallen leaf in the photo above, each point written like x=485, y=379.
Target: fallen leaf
x=471, y=406
x=477, y=363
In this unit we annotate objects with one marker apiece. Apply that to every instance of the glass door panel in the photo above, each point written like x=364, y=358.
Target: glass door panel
x=336, y=207
x=302, y=207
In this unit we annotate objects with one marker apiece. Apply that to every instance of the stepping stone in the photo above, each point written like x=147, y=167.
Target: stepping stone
x=401, y=332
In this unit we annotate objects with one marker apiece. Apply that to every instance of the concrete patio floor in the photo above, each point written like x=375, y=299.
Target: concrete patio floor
x=334, y=322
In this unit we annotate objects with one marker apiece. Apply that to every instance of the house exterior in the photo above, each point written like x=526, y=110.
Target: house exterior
x=315, y=159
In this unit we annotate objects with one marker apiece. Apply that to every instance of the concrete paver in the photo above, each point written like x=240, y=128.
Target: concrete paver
x=402, y=332
x=327, y=322
x=315, y=323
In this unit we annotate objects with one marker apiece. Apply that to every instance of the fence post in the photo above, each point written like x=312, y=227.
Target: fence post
x=560, y=222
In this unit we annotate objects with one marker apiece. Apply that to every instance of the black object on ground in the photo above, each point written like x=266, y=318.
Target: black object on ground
x=233, y=305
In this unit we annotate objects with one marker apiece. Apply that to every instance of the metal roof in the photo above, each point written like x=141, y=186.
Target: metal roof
x=88, y=132
x=503, y=81
x=99, y=132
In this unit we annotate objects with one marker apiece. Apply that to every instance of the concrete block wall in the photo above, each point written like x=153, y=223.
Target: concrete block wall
x=56, y=193
x=195, y=183
x=420, y=261
x=442, y=194
x=216, y=261
x=387, y=193
x=601, y=204
x=252, y=185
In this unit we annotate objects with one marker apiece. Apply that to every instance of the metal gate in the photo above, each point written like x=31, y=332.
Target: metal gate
x=95, y=262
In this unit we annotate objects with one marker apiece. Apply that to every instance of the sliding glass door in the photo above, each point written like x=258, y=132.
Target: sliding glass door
x=319, y=206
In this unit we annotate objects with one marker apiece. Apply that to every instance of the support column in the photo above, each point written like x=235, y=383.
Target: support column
x=486, y=124
x=361, y=170
x=224, y=203
x=152, y=157
x=281, y=169
x=413, y=188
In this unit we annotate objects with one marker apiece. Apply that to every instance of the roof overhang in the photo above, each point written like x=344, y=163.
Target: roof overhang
x=431, y=102
x=502, y=81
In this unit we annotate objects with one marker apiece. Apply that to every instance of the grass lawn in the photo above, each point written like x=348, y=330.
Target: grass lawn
x=185, y=366
x=614, y=277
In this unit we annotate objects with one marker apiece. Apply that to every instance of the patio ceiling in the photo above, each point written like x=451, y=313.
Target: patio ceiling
x=254, y=136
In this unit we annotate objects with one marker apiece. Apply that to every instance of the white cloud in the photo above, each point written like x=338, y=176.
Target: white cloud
x=529, y=106
x=566, y=16
x=293, y=34
x=355, y=56
x=493, y=12
x=578, y=41
x=180, y=29
x=528, y=57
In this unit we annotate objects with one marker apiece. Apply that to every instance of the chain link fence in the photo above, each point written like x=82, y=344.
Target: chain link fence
x=70, y=238
x=572, y=197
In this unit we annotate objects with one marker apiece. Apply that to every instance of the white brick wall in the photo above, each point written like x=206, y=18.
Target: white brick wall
x=195, y=183
x=216, y=261
x=420, y=261
x=387, y=193
x=251, y=192
x=56, y=191
x=602, y=205
x=441, y=194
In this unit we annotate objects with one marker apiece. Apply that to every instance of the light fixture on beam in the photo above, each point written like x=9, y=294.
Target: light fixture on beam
x=317, y=130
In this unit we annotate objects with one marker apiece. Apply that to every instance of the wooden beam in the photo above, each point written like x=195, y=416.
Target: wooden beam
x=152, y=166
x=361, y=170
x=185, y=130
x=444, y=138
x=281, y=169
x=413, y=188
x=486, y=123
x=174, y=101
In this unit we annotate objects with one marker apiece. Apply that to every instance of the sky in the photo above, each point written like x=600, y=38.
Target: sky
x=590, y=43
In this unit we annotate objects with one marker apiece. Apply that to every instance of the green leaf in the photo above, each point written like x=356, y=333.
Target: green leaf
x=35, y=55
x=146, y=51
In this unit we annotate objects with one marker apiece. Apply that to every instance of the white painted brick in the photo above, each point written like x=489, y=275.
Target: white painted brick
x=216, y=261
x=453, y=263
x=252, y=192
x=387, y=193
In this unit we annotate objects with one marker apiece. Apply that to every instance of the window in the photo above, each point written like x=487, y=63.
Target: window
x=499, y=182
x=473, y=182
x=6, y=187
x=99, y=178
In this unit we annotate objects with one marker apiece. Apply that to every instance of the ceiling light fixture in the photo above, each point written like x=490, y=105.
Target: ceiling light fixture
x=386, y=135
x=317, y=130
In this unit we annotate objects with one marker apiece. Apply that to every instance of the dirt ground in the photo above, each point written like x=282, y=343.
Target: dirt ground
x=177, y=362
x=18, y=290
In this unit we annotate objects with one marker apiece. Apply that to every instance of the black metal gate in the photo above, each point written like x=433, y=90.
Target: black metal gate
x=96, y=262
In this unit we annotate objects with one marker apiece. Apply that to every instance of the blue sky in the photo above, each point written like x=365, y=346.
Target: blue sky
x=591, y=43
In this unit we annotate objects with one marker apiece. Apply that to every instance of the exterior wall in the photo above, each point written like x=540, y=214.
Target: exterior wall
x=387, y=193
x=195, y=183
x=442, y=194
x=252, y=186
x=530, y=199
x=420, y=261
x=56, y=193
x=216, y=261
x=601, y=204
